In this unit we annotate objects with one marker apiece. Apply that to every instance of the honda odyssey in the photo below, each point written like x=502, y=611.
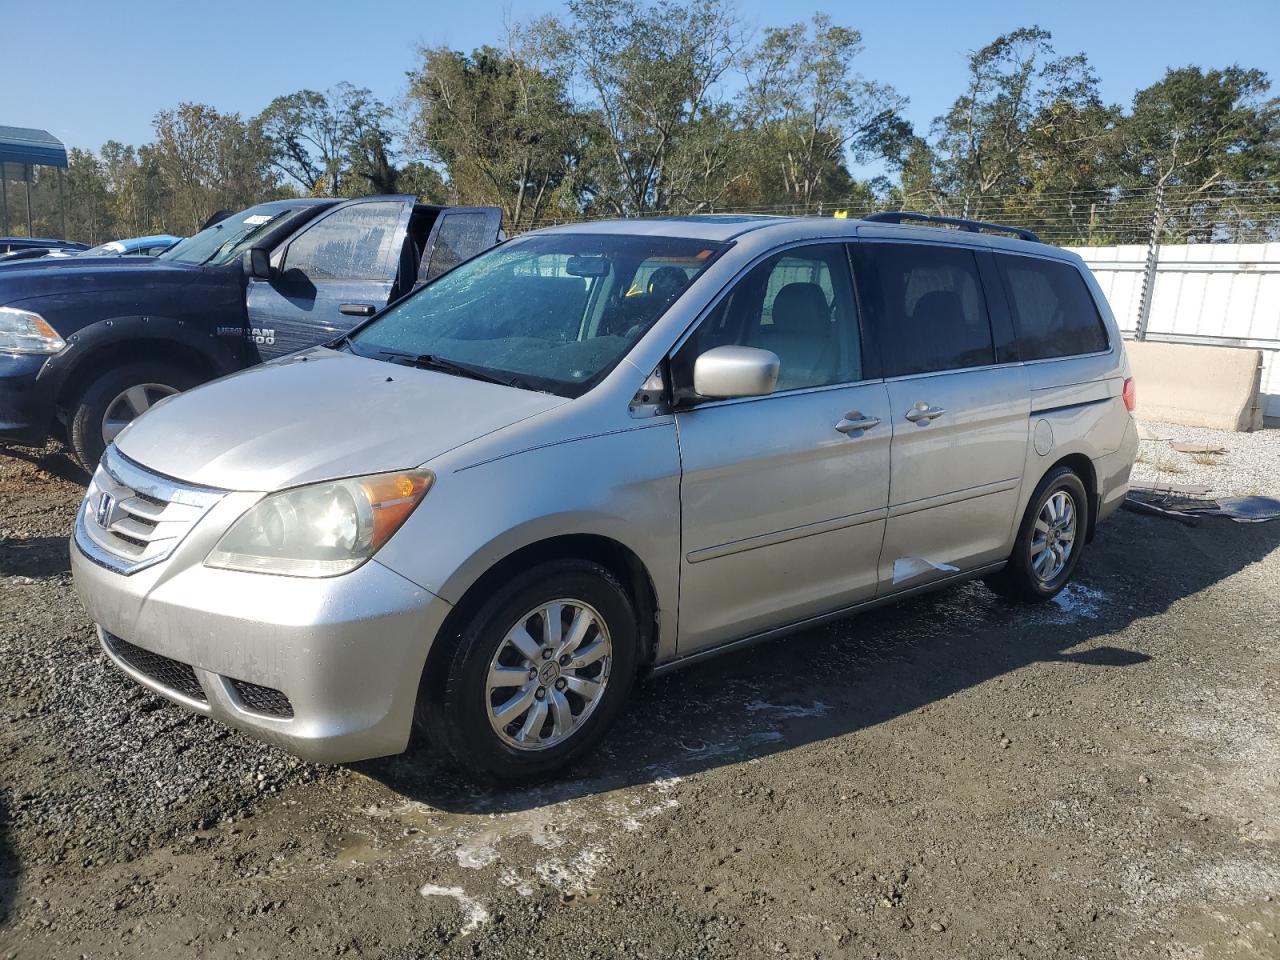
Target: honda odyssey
x=600, y=451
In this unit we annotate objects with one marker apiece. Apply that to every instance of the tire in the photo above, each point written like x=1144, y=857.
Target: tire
x=85, y=429
x=459, y=711
x=1026, y=577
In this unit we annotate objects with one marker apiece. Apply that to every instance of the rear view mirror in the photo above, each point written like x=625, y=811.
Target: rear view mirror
x=724, y=372
x=582, y=266
x=257, y=262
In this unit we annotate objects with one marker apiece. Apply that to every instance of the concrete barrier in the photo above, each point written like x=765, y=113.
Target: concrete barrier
x=1197, y=386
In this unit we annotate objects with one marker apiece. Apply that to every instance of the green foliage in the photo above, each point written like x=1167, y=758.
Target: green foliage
x=500, y=123
x=632, y=107
x=810, y=110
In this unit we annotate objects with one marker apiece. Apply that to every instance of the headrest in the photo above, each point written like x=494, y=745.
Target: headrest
x=939, y=306
x=801, y=309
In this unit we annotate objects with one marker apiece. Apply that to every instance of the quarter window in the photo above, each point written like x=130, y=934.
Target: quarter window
x=800, y=305
x=929, y=306
x=1053, y=312
x=354, y=243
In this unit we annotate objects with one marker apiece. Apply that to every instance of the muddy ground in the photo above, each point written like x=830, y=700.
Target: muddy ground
x=952, y=777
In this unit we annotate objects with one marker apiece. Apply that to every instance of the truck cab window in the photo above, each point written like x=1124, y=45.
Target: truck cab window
x=357, y=242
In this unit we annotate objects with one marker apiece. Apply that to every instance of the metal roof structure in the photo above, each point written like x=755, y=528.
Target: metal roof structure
x=29, y=146
x=25, y=148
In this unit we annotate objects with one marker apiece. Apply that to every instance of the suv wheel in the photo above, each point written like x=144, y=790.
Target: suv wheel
x=1049, y=542
x=115, y=398
x=537, y=675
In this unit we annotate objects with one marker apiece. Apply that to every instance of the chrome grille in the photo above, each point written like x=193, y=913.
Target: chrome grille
x=132, y=518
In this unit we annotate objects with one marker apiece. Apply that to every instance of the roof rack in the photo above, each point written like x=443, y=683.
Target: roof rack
x=972, y=226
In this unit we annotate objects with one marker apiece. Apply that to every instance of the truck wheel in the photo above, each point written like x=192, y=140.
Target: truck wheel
x=113, y=399
x=537, y=675
x=1049, y=542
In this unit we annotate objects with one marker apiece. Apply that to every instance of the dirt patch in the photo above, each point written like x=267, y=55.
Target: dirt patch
x=950, y=777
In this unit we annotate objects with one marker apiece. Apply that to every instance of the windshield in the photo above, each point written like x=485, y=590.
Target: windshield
x=226, y=240
x=553, y=312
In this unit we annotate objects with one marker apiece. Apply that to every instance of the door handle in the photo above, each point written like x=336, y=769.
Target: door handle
x=854, y=421
x=924, y=411
x=356, y=309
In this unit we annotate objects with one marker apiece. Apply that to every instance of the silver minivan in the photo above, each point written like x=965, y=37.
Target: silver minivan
x=600, y=451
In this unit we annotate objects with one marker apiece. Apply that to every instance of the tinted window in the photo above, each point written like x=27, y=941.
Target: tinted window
x=929, y=305
x=1053, y=311
x=355, y=243
x=800, y=305
x=461, y=236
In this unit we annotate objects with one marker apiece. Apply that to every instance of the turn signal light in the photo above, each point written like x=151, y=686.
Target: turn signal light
x=1130, y=394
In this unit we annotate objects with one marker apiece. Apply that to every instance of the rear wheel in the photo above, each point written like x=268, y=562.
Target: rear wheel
x=537, y=676
x=1050, y=539
x=114, y=399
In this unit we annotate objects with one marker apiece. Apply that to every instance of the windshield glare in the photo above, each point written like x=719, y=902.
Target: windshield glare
x=553, y=312
x=227, y=239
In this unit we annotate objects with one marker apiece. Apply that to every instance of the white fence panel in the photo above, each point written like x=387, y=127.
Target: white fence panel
x=1208, y=293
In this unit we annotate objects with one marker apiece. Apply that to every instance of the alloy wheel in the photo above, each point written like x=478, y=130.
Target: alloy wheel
x=1053, y=537
x=130, y=404
x=548, y=675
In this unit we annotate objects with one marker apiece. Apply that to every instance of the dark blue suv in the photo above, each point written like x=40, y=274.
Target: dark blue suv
x=87, y=344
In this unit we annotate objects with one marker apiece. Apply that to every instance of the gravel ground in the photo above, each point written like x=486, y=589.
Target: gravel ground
x=950, y=777
x=1250, y=465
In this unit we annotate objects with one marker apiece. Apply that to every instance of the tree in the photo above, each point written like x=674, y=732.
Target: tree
x=987, y=142
x=305, y=137
x=1198, y=135
x=658, y=120
x=501, y=124
x=211, y=161
x=812, y=109
x=331, y=144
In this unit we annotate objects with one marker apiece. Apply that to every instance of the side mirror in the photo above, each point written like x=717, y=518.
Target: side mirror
x=257, y=262
x=724, y=372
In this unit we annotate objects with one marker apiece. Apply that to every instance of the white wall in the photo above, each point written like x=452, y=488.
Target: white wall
x=1224, y=293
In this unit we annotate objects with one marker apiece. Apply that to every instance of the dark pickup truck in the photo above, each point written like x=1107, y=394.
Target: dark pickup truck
x=87, y=344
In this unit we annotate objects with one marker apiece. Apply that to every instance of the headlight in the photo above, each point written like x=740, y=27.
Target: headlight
x=22, y=331
x=323, y=529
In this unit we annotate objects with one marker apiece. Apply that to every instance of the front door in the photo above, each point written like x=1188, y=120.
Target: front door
x=783, y=497
x=959, y=409
x=337, y=271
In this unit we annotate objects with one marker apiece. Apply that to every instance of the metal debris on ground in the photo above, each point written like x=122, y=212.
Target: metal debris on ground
x=1187, y=503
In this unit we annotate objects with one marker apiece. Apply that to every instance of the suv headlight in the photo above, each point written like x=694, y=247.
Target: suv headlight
x=22, y=331
x=323, y=529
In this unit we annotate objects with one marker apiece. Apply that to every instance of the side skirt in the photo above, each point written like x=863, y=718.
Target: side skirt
x=771, y=634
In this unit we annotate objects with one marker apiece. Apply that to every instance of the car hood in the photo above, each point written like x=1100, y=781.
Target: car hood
x=318, y=416
x=23, y=279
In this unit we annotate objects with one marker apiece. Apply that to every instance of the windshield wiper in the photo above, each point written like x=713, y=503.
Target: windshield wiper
x=428, y=361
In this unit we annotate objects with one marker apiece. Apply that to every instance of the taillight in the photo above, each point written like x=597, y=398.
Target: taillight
x=1130, y=394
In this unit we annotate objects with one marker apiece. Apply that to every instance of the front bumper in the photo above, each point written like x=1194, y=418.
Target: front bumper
x=346, y=651
x=26, y=406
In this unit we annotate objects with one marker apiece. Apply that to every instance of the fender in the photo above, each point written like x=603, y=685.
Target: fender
x=218, y=354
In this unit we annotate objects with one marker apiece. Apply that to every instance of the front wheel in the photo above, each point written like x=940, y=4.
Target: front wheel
x=537, y=675
x=1050, y=539
x=113, y=399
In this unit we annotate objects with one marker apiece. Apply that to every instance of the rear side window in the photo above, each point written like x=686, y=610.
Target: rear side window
x=461, y=237
x=928, y=304
x=1053, y=311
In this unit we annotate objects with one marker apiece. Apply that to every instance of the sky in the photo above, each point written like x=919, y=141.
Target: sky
x=101, y=71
